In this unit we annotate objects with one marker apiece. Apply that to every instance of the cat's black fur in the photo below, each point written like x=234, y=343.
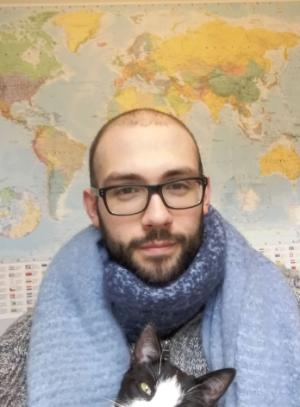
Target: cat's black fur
x=148, y=368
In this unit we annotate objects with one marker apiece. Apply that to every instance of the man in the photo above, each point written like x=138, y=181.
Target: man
x=158, y=251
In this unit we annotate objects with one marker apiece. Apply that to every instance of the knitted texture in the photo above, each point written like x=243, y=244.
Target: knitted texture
x=78, y=352
x=135, y=303
x=13, y=355
x=185, y=350
x=252, y=323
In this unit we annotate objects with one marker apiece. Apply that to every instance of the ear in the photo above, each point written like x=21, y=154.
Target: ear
x=214, y=384
x=206, y=199
x=147, y=348
x=90, y=203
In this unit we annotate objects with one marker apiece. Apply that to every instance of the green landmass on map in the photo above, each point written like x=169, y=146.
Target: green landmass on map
x=27, y=60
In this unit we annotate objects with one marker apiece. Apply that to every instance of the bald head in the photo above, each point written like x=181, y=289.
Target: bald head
x=132, y=118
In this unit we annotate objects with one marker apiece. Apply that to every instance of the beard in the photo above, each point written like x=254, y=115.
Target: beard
x=162, y=270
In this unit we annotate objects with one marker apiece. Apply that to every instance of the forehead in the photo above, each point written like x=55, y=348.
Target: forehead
x=148, y=151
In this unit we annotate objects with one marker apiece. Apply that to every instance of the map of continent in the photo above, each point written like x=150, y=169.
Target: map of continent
x=281, y=159
x=28, y=60
x=80, y=26
x=217, y=64
x=19, y=213
x=62, y=157
x=231, y=74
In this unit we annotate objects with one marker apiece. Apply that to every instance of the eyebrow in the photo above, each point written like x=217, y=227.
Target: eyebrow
x=121, y=177
x=115, y=177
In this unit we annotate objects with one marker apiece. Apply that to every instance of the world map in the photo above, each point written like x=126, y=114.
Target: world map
x=230, y=72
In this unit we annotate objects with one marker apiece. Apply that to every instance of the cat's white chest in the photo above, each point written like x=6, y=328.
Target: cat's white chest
x=168, y=393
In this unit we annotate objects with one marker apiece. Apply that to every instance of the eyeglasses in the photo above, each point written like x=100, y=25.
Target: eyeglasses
x=124, y=200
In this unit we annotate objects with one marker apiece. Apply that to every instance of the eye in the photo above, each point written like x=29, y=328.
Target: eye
x=125, y=192
x=145, y=388
x=178, y=187
x=181, y=186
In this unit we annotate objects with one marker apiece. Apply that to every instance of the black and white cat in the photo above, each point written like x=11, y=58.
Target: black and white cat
x=152, y=381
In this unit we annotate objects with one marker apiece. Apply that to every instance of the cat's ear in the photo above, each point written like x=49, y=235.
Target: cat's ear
x=147, y=348
x=214, y=384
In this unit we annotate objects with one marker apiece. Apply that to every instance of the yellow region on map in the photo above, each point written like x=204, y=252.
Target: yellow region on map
x=282, y=160
x=79, y=26
x=63, y=156
x=59, y=151
x=218, y=43
x=214, y=103
x=132, y=98
x=30, y=220
x=218, y=63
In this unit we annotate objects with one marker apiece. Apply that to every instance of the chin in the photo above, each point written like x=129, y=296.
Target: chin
x=160, y=273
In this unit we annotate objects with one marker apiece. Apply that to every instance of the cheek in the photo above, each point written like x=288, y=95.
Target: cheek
x=120, y=228
x=187, y=222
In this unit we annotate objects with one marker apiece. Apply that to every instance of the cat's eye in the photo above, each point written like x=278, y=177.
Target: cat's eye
x=145, y=388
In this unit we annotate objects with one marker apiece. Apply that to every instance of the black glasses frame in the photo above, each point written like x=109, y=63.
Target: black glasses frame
x=152, y=189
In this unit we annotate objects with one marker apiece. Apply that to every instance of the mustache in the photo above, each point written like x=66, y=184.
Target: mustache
x=157, y=235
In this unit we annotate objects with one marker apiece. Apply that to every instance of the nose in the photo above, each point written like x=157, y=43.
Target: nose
x=156, y=213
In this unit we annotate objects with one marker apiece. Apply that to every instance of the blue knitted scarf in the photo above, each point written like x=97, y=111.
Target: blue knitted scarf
x=135, y=303
x=78, y=351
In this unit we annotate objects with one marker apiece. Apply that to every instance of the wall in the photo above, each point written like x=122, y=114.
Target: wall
x=228, y=70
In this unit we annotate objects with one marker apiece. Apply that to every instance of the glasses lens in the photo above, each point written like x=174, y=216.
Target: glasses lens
x=183, y=193
x=127, y=199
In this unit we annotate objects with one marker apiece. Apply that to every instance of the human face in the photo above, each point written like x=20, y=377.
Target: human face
x=159, y=243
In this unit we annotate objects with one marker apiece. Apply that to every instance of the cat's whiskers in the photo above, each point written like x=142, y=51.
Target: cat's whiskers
x=153, y=381
x=114, y=403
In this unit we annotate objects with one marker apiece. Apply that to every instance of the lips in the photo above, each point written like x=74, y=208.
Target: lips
x=158, y=247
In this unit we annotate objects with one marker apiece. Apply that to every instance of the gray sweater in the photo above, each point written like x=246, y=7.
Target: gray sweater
x=13, y=352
